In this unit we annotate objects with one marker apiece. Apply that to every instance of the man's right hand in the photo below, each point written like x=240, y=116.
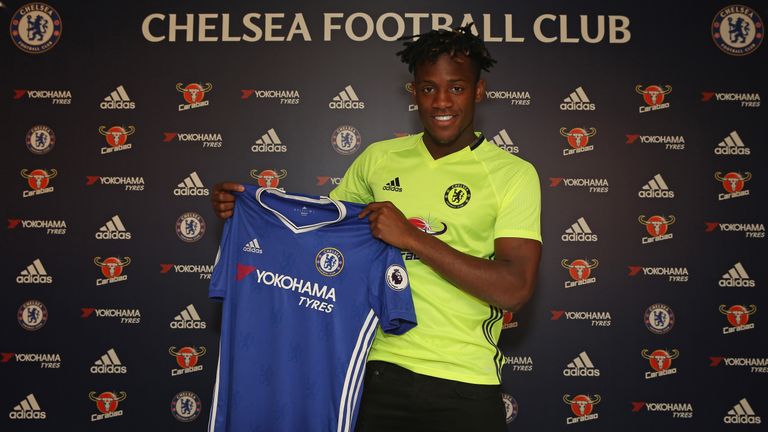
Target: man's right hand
x=222, y=200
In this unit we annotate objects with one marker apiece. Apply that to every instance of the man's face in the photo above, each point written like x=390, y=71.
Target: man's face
x=446, y=92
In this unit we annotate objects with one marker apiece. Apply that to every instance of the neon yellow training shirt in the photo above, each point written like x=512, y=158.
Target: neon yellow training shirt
x=467, y=199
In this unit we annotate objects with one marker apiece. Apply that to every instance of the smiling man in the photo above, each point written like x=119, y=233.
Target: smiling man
x=466, y=216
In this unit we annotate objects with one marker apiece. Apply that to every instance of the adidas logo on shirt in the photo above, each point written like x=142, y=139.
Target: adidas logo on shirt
x=269, y=143
x=656, y=188
x=577, y=101
x=742, y=413
x=579, y=231
x=118, y=99
x=109, y=363
x=191, y=186
x=188, y=318
x=732, y=145
x=393, y=185
x=346, y=99
x=27, y=409
x=34, y=273
x=113, y=230
x=736, y=277
x=252, y=247
x=504, y=142
x=581, y=366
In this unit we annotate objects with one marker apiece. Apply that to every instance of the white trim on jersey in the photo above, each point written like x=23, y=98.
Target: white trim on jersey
x=354, y=377
x=288, y=223
x=215, y=399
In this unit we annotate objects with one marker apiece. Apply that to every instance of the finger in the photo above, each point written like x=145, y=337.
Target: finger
x=222, y=207
x=225, y=215
x=228, y=186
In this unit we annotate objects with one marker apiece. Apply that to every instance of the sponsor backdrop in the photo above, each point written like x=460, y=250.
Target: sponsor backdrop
x=645, y=123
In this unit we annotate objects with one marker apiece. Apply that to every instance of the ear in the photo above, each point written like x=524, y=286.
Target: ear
x=480, y=90
x=410, y=87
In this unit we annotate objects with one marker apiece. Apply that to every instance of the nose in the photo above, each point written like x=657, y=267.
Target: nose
x=442, y=99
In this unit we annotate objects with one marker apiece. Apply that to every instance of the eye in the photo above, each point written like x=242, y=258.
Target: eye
x=457, y=89
x=427, y=90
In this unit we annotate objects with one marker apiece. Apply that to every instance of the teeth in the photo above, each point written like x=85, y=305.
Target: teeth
x=443, y=118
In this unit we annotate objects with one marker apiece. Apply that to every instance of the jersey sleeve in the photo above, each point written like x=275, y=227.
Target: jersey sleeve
x=218, y=286
x=390, y=292
x=354, y=187
x=520, y=208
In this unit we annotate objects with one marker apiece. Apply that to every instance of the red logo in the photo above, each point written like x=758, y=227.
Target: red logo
x=112, y=267
x=18, y=94
x=107, y=402
x=556, y=314
x=169, y=136
x=715, y=361
x=243, y=271
x=269, y=178
x=738, y=315
x=653, y=95
x=246, y=94
x=38, y=179
x=581, y=405
x=165, y=268
x=427, y=227
x=578, y=138
x=579, y=269
x=86, y=312
x=733, y=182
x=194, y=93
x=632, y=138
x=13, y=223
x=706, y=96
x=659, y=359
x=555, y=181
x=6, y=357
x=116, y=136
x=186, y=357
x=634, y=270
x=656, y=225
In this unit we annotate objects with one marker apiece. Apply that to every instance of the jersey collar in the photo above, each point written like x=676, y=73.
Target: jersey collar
x=299, y=229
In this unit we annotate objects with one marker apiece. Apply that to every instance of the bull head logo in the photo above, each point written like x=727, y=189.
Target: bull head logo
x=653, y=94
x=738, y=315
x=578, y=137
x=268, y=178
x=581, y=405
x=116, y=135
x=660, y=359
x=112, y=267
x=38, y=178
x=656, y=225
x=194, y=92
x=186, y=357
x=733, y=181
x=579, y=269
x=107, y=402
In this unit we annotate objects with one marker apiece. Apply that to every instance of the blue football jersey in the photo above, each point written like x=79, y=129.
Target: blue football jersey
x=304, y=285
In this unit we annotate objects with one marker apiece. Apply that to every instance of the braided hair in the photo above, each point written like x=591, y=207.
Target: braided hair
x=431, y=45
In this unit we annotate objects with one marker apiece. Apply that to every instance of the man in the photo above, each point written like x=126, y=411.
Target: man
x=466, y=216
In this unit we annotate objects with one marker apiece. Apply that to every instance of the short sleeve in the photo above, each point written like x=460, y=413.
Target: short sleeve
x=520, y=207
x=354, y=187
x=390, y=294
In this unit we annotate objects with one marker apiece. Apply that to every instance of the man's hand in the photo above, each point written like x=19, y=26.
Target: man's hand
x=222, y=200
x=390, y=225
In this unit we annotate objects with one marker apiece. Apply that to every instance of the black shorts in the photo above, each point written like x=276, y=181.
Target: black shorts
x=396, y=399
